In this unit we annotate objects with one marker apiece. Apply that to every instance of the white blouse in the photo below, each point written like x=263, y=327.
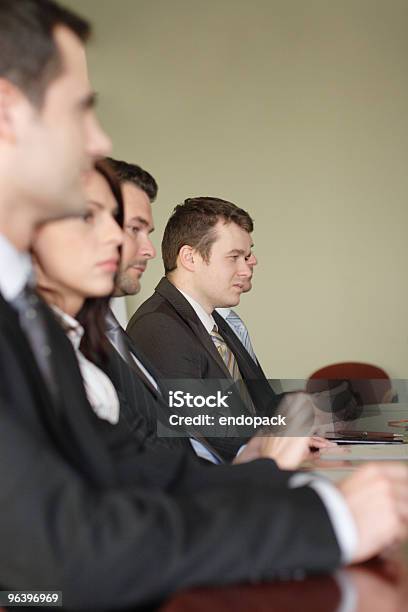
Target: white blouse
x=99, y=389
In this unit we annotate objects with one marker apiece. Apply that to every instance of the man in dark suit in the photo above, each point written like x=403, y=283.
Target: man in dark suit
x=208, y=261
x=71, y=518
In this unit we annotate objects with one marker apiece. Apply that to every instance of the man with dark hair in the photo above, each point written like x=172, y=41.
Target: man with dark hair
x=132, y=174
x=208, y=261
x=70, y=518
x=139, y=191
x=47, y=101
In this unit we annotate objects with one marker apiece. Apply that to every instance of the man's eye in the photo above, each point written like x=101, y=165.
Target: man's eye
x=234, y=257
x=133, y=229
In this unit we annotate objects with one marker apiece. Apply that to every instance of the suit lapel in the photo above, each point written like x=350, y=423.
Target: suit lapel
x=133, y=351
x=10, y=328
x=68, y=418
x=48, y=410
x=187, y=313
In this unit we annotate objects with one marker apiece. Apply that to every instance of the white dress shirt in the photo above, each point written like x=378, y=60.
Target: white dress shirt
x=99, y=389
x=206, y=319
x=15, y=269
x=224, y=312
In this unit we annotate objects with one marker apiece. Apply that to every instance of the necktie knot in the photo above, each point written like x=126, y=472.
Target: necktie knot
x=26, y=302
x=112, y=324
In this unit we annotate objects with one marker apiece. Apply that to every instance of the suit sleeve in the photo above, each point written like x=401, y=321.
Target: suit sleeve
x=113, y=548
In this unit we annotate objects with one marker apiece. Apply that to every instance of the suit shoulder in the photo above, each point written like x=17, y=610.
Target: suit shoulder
x=154, y=311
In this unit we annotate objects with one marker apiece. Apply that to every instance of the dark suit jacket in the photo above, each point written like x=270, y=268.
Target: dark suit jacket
x=142, y=406
x=113, y=534
x=168, y=331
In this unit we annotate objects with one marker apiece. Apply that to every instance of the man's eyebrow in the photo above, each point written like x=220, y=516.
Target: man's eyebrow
x=236, y=252
x=142, y=221
x=89, y=101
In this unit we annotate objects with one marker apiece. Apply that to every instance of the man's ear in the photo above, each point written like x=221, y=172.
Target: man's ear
x=186, y=257
x=10, y=100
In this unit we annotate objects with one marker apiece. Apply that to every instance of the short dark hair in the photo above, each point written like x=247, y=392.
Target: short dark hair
x=193, y=222
x=29, y=56
x=132, y=173
x=92, y=316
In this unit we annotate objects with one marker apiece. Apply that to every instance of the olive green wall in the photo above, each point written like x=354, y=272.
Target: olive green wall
x=297, y=111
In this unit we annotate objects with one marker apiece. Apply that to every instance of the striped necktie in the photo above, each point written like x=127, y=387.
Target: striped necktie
x=238, y=327
x=230, y=361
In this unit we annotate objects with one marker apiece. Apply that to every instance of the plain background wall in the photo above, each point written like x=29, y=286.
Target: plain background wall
x=297, y=111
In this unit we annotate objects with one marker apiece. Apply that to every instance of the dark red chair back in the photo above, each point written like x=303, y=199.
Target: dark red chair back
x=369, y=382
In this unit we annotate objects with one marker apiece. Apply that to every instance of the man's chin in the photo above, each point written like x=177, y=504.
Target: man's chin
x=125, y=286
x=234, y=301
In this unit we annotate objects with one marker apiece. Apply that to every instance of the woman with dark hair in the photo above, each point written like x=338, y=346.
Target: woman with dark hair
x=76, y=260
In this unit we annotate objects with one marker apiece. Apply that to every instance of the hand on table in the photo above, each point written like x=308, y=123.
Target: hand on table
x=288, y=451
x=377, y=497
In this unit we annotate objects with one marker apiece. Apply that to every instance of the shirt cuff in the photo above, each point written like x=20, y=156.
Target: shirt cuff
x=340, y=516
x=349, y=598
x=203, y=452
x=241, y=448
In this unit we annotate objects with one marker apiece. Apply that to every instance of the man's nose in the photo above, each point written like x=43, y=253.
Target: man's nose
x=148, y=250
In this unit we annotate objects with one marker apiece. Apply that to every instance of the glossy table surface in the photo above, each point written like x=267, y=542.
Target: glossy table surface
x=379, y=585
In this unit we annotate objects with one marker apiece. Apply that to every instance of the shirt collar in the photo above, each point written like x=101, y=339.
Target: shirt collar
x=15, y=269
x=72, y=328
x=206, y=319
x=224, y=312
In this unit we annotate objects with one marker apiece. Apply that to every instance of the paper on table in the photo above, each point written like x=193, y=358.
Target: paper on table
x=366, y=452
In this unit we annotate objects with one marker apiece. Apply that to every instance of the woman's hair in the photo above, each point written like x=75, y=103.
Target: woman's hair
x=92, y=316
